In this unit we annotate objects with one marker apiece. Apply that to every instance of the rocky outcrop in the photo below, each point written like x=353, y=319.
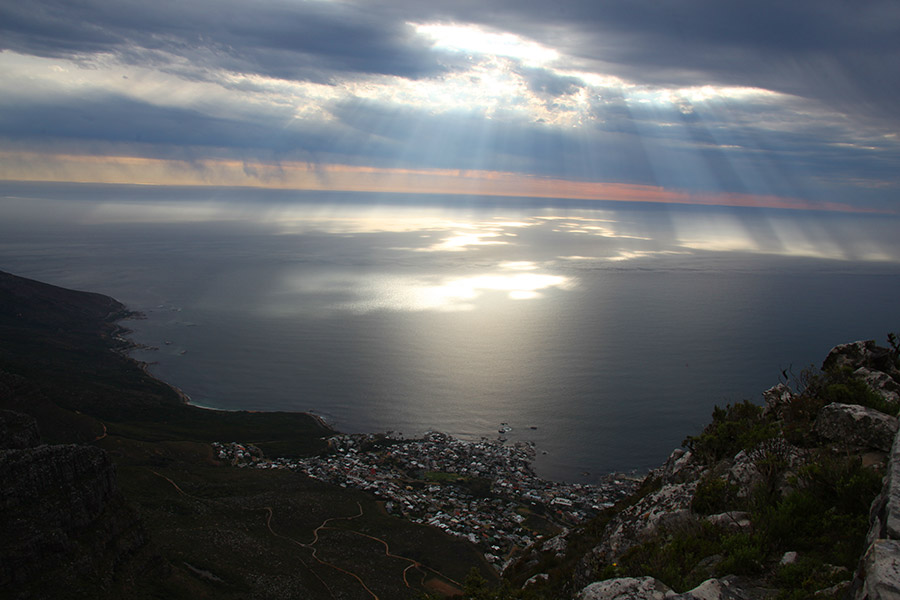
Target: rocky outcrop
x=777, y=398
x=666, y=506
x=865, y=353
x=648, y=588
x=776, y=464
x=882, y=384
x=880, y=572
x=62, y=515
x=626, y=588
x=855, y=426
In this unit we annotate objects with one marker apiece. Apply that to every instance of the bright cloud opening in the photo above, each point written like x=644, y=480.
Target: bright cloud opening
x=473, y=39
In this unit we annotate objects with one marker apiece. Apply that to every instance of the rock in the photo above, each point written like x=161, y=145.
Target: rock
x=882, y=384
x=863, y=353
x=736, y=520
x=777, y=398
x=557, y=545
x=881, y=566
x=18, y=430
x=62, y=516
x=788, y=558
x=534, y=579
x=856, y=426
x=626, y=588
x=649, y=588
x=838, y=590
x=633, y=525
x=716, y=589
x=679, y=467
x=884, y=514
x=745, y=469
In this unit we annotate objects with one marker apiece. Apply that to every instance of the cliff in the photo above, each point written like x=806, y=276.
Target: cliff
x=65, y=522
x=770, y=501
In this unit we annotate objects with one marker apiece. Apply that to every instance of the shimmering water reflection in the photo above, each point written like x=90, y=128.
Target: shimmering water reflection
x=603, y=335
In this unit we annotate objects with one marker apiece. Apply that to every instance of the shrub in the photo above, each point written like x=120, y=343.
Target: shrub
x=841, y=385
x=714, y=495
x=734, y=428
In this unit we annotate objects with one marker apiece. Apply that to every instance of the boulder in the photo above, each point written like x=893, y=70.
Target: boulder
x=745, y=473
x=633, y=525
x=716, y=589
x=649, y=588
x=788, y=558
x=856, y=426
x=882, y=384
x=736, y=520
x=679, y=467
x=557, y=545
x=864, y=353
x=535, y=579
x=626, y=588
x=777, y=399
x=881, y=566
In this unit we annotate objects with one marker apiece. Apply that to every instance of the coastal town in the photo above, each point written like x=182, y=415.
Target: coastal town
x=485, y=491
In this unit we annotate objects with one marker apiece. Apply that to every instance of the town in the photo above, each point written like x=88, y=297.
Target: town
x=485, y=491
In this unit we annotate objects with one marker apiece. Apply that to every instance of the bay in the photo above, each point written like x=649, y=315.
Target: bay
x=602, y=333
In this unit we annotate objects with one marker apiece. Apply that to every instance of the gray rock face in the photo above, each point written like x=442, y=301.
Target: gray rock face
x=678, y=468
x=856, y=426
x=626, y=588
x=745, y=471
x=882, y=384
x=557, y=545
x=777, y=399
x=648, y=588
x=716, y=589
x=864, y=353
x=881, y=566
x=634, y=524
x=884, y=515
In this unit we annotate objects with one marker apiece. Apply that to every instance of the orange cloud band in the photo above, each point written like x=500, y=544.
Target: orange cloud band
x=32, y=166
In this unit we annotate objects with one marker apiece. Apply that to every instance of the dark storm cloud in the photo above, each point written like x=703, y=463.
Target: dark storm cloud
x=844, y=53
x=293, y=40
x=547, y=83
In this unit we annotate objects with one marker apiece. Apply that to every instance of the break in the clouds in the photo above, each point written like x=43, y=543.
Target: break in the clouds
x=774, y=104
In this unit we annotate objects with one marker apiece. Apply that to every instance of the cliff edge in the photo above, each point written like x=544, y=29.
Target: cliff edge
x=796, y=497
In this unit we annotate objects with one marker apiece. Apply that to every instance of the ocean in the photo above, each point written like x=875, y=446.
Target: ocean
x=604, y=333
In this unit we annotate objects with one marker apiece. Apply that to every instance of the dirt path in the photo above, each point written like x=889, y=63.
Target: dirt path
x=413, y=564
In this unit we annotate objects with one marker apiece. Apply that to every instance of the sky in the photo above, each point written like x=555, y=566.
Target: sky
x=764, y=103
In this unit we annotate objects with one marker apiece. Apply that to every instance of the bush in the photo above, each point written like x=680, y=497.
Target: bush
x=841, y=385
x=714, y=495
x=734, y=428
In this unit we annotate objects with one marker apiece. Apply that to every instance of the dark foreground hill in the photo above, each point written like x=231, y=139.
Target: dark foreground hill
x=110, y=488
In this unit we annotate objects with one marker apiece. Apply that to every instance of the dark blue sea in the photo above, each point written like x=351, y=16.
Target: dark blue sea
x=604, y=333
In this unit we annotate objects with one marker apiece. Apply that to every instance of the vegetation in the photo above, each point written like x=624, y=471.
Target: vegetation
x=818, y=509
x=213, y=531
x=734, y=428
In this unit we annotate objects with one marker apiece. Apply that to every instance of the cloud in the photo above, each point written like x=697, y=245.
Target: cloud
x=291, y=40
x=699, y=97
